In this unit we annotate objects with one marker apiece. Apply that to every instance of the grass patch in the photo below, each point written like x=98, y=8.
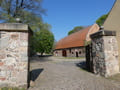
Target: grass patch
x=7, y=88
x=71, y=57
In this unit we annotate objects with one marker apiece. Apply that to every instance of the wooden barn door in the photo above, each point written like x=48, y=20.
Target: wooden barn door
x=76, y=54
x=64, y=53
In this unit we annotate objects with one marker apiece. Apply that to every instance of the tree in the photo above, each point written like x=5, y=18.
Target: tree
x=29, y=11
x=100, y=21
x=43, y=41
x=76, y=29
x=11, y=9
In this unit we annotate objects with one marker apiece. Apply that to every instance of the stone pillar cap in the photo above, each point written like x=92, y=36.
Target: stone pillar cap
x=13, y=27
x=103, y=33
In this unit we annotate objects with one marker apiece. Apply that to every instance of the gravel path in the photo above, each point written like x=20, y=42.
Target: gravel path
x=61, y=74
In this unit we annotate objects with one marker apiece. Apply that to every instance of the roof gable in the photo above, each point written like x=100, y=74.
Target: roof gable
x=76, y=39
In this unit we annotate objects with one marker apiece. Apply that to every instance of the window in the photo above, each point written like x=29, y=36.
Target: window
x=72, y=52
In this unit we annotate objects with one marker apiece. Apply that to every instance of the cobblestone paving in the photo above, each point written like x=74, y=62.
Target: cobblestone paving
x=63, y=74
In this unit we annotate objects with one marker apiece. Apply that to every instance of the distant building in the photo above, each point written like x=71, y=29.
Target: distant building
x=74, y=44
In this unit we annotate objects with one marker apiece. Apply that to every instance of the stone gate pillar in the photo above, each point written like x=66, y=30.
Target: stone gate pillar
x=14, y=42
x=105, y=53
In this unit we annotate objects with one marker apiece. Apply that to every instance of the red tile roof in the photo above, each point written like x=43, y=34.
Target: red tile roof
x=74, y=40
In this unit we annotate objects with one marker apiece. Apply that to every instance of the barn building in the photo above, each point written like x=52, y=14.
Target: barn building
x=74, y=44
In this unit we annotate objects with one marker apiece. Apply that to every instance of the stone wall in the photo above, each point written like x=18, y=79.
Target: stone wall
x=80, y=51
x=57, y=53
x=13, y=56
x=71, y=52
x=104, y=53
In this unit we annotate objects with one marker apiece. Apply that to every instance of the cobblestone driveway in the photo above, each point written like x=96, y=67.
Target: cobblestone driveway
x=62, y=74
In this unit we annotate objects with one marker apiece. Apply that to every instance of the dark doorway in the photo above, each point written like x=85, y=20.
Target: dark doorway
x=76, y=54
x=89, y=60
x=64, y=53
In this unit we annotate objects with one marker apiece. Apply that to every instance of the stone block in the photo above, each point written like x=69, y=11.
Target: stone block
x=2, y=78
x=3, y=84
x=2, y=55
x=8, y=55
x=1, y=63
x=24, y=36
x=23, y=65
x=13, y=45
x=8, y=73
x=2, y=73
x=24, y=59
x=13, y=27
x=116, y=68
x=23, y=49
x=103, y=33
x=14, y=36
x=4, y=42
x=24, y=44
x=32, y=83
x=10, y=61
x=16, y=55
x=22, y=80
x=13, y=79
x=10, y=67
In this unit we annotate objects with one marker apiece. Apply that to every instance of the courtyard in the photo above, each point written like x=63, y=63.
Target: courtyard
x=56, y=73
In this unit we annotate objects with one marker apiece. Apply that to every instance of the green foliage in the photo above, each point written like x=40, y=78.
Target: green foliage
x=43, y=41
x=29, y=11
x=76, y=29
x=11, y=9
x=100, y=21
x=87, y=43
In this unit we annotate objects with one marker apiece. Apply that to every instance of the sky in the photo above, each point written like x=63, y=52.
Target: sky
x=64, y=15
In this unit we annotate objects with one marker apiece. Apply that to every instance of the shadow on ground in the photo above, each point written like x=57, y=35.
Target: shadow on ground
x=34, y=74
x=45, y=55
x=40, y=58
x=82, y=65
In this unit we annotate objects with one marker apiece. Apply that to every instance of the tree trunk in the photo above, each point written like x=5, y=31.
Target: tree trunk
x=41, y=53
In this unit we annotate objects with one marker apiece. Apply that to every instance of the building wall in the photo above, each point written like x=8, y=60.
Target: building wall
x=112, y=23
x=58, y=53
x=14, y=59
x=92, y=30
x=71, y=52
